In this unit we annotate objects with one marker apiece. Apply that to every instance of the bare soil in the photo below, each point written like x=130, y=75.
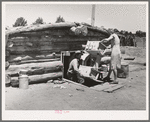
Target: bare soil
x=68, y=96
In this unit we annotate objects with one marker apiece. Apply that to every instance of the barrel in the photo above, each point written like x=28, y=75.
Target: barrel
x=124, y=71
x=23, y=80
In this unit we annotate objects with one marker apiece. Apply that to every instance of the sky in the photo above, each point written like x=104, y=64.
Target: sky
x=128, y=17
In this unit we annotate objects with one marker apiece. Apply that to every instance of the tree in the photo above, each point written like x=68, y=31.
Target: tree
x=20, y=22
x=140, y=33
x=116, y=30
x=38, y=21
x=60, y=19
x=7, y=27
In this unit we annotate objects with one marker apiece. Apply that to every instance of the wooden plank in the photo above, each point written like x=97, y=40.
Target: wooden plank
x=102, y=87
x=111, y=89
x=78, y=84
x=129, y=58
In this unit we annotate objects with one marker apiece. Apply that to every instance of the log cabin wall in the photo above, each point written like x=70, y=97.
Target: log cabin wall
x=47, y=41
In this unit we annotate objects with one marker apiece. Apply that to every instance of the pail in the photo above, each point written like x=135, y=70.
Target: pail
x=124, y=71
x=23, y=80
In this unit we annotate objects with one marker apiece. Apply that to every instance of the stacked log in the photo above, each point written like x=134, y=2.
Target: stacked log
x=35, y=79
x=37, y=72
x=49, y=44
x=50, y=38
x=33, y=58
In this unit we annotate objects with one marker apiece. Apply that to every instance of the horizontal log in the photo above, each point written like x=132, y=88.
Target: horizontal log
x=35, y=52
x=37, y=61
x=34, y=56
x=57, y=50
x=35, y=79
x=47, y=43
x=19, y=38
x=44, y=65
x=19, y=60
x=41, y=33
x=38, y=71
x=22, y=49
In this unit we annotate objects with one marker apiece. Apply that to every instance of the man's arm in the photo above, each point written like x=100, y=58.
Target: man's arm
x=75, y=66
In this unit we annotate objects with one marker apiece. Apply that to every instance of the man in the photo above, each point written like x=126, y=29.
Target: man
x=115, y=62
x=73, y=71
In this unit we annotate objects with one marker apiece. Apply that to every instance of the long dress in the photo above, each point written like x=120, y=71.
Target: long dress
x=116, y=53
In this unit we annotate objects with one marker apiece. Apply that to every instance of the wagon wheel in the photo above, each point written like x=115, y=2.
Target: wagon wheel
x=81, y=80
x=103, y=74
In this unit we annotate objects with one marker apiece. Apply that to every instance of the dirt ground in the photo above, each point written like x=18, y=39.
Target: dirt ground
x=68, y=96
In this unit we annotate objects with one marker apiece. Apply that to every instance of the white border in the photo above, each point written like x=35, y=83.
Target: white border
x=73, y=115
x=77, y=2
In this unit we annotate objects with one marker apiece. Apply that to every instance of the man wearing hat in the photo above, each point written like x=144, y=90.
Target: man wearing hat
x=73, y=71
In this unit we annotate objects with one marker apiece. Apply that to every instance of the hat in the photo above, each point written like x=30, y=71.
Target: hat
x=78, y=52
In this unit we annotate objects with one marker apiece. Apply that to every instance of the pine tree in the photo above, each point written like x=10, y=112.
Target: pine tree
x=38, y=21
x=60, y=19
x=20, y=22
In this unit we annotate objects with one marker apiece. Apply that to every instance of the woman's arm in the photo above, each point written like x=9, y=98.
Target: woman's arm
x=108, y=47
x=108, y=39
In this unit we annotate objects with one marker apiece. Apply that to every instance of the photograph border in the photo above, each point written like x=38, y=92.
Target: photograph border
x=73, y=115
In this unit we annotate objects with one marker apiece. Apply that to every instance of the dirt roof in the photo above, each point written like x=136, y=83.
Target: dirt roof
x=43, y=27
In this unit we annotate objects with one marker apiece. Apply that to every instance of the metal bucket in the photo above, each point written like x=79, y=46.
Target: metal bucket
x=23, y=80
x=124, y=71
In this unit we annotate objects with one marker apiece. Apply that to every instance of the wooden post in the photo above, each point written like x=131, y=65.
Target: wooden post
x=93, y=15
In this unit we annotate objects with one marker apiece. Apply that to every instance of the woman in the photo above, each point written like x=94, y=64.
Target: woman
x=115, y=62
